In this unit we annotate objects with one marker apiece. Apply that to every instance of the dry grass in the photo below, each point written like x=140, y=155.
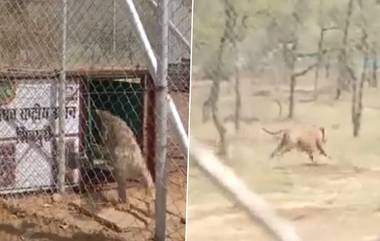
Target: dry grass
x=339, y=196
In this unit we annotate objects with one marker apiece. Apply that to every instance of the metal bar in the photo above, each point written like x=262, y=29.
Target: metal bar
x=159, y=75
x=150, y=128
x=161, y=120
x=142, y=36
x=151, y=57
x=61, y=105
x=176, y=121
x=180, y=36
x=255, y=206
x=174, y=29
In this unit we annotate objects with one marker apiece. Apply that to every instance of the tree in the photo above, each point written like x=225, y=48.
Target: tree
x=291, y=55
x=211, y=104
x=321, y=52
x=358, y=84
x=344, y=79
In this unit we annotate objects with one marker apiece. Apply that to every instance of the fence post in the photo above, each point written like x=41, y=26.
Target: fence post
x=161, y=118
x=174, y=29
x=61, y=105
x=158, y=70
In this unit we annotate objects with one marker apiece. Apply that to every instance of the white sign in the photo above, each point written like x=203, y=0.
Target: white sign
x=29, y=132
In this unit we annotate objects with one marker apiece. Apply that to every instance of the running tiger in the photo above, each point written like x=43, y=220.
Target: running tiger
x=308, y=140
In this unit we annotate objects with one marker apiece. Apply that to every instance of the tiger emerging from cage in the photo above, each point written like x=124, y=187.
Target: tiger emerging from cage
x=126, y=158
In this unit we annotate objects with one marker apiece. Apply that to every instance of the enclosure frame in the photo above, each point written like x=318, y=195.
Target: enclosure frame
x=84, y=77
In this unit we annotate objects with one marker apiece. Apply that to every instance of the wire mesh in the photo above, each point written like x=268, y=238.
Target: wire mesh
x=179, y=86
x=104, y=69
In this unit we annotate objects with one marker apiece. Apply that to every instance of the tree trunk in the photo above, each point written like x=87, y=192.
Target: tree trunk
x=327, y=69
x=211, y=102
x=342, y=82
x=374, y=69
x=320, y=54
x=357, y=105
x=291, y=96
x=221, y=131
x=354, y=108
x=289, y=56
x=316, y=76
x=237, y=99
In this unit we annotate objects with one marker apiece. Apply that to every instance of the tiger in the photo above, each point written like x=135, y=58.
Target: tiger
x=308, y=140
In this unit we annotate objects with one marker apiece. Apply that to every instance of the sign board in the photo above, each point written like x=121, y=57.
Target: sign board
x=29, y=131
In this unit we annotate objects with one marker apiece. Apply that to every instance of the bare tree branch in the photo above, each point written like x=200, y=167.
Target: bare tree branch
x=325, y=29
x=305, y=71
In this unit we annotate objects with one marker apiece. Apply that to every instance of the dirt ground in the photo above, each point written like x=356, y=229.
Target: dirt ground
x=43, y=217
x=336, y=200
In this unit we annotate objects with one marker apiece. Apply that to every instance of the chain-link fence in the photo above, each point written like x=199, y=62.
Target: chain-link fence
x=79, y=119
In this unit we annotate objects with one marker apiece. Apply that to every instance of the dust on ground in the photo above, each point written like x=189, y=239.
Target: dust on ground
x=336, y=200
x=76, y=217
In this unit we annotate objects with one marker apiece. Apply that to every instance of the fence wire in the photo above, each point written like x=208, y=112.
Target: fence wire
x=82, y=92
